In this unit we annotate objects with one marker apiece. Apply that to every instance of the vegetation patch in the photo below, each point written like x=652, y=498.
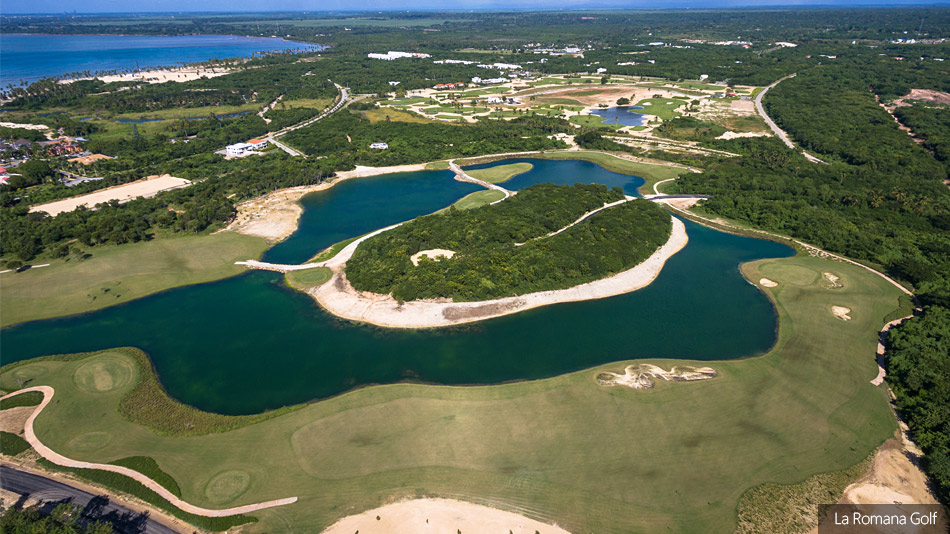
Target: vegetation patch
x=149, y=467
x=11, y=444
x=514, y=247
x=30, y=398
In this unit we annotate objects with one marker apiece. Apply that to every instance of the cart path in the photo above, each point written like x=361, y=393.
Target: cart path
x=30, y=435
x=778, y=131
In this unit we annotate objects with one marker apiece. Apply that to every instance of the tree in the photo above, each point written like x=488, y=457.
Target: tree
x=623, y=101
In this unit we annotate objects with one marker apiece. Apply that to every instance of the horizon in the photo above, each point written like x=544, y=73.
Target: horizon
x=224, y=7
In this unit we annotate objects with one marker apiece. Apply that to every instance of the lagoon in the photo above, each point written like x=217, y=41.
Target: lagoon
x=250, y=343
x=30, y=57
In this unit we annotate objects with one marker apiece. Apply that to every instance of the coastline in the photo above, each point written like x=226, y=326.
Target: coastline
x=339, y=298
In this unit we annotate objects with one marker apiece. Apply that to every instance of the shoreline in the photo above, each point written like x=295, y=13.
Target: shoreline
x=339, y=298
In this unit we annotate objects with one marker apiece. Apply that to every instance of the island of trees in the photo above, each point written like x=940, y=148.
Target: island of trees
x=506, y=250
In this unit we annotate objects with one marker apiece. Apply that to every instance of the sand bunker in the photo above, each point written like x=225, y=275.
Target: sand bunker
x=340, y=299
x=831, y=280
x=841, y=312
x=765, y=282
x=640, y=376
x=439, y=515
x=893, y=478
x=435, y=254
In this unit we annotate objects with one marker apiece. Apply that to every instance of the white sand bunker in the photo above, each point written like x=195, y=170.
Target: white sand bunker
x=831, y=280
x=438, y=515
x=765, y=282
x=435, y=254
x=640, y=376
x=736, y=135
x=841, y=312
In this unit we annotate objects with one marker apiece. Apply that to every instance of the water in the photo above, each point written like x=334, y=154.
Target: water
x=29, y=57
x=249, y=343
x=621, y=115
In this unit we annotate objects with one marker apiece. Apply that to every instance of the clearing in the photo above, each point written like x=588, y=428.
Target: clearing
x=146, y=187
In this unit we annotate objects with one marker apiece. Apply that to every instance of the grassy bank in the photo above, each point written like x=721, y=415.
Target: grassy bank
x=565, y=449
x=117, y=274
x=500, y=173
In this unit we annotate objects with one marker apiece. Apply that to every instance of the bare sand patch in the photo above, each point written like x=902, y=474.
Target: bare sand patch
x=736, y=135
x=435, y=254
x=742, y=105
x=342, y=300
x=641, y=375
x=146, y=187
x=841, y=312
x=362, y=172
x=765, y=282
x=439, y=515
x=24, y=126
x=12, y=420
x=927, y=95
x=894, y=478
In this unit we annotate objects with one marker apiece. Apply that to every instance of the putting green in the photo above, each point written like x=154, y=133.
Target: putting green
x=676, y=458
x=104, y=373
x=90, y=441
x=227, y=486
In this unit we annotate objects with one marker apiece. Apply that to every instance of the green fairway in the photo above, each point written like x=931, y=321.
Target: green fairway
x=308, y=278
x=121, y=273
x=476, y=199
x=592, y=458
x=500, y=173
x=594, y=121
x=664, y=108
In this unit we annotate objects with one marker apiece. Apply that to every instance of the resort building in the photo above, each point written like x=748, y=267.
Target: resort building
x=379, y=146
x=258, y=144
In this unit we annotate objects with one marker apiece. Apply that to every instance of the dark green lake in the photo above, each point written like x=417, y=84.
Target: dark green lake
x=249, y=343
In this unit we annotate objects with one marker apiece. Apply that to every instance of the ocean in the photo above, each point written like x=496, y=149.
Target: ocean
x=30, y=57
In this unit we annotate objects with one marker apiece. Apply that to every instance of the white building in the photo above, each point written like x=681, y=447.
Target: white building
x=379, y=146
x=257, y=144
x=238, y=149
x=496, y=100
x=392, y=54
x=506, y=66
x=601, y=70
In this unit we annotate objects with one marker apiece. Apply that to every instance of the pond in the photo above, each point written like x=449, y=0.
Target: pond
x=250, y=343
x=621, y=115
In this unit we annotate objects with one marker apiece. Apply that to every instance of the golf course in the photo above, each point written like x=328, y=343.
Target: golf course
x=565, y=450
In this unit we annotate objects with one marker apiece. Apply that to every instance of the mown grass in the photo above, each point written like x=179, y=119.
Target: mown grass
x=594, y=121
x=677, y=458
x=395, y=115
x=664, y=108
x=31, y=398
x=306, y=279
x=476, y=199
x=117, y=274
x=11, y=444
x=500, y=173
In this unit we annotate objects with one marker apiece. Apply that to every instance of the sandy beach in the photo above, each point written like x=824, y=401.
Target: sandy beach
x=146, y=187
x=439, y=515
x=339, y=298
x=182, y=74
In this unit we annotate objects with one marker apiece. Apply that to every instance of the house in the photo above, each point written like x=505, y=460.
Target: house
x=238, y=149
x=379, y=146
x=496, y=100
x=258, y=144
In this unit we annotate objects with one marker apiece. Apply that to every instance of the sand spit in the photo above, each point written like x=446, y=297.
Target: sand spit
x=641, y=375
x=183, y=74
x=339, y=298
x=439, y=515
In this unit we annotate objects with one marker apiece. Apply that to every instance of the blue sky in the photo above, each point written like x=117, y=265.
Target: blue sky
x=9, y=7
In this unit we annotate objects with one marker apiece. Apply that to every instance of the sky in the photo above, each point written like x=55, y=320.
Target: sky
x=10, y=7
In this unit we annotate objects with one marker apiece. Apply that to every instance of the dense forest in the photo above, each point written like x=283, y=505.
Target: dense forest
x=930, y=124
x=64, y=519
x=502, y=250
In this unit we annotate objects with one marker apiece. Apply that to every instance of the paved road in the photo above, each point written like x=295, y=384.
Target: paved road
x=272, y=138
x=778, y=131
x=52, y=492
